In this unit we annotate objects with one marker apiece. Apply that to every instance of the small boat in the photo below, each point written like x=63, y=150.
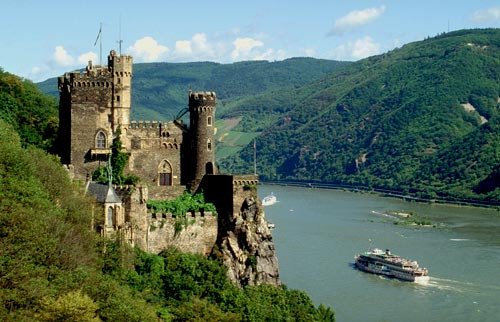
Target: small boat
x=381, y=262
x=269, y=200
x=270, y=225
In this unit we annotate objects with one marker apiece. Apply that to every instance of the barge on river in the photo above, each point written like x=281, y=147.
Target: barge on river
x=381, y=262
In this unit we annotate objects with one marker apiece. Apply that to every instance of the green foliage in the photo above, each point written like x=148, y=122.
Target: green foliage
x=31, y=114
x=179, y=206
x=72, y=306
x=197, y=288
x=46, y=243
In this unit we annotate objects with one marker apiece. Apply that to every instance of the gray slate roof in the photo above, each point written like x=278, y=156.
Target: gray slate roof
x=103, y=193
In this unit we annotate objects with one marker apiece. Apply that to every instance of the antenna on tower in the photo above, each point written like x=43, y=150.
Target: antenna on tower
x=120, y=41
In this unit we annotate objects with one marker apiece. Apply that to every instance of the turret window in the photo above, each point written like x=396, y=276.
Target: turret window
x=209, y=145
x=110, y=217
x=100, y=140
x=209, y=121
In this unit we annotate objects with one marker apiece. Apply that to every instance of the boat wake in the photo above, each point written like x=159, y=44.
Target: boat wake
x=383, y=214
x=444, y=284
x=459, y=239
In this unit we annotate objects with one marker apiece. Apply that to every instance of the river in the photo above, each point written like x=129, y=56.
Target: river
x=318, y=232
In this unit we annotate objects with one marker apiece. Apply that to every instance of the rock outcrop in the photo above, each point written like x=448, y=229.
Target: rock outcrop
x=248, y=249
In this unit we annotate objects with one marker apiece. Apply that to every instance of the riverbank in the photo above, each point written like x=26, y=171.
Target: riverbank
x=387, y=193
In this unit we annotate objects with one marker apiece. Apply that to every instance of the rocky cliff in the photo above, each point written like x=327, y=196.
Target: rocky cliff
x=248, y=249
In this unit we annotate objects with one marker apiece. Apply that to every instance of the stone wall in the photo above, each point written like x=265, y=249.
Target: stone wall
x=156, y=232
x=198, y=237
x=155, y=146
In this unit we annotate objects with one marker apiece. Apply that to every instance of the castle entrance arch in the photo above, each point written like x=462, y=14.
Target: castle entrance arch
x=209, y=168
x=165, y=173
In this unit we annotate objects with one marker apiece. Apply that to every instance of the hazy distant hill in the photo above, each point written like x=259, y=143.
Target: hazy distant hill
x=425, y=117
x=160, y=89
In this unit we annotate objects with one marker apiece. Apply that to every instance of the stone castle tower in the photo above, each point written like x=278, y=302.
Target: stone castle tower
x=202, y=111
x=92, y=106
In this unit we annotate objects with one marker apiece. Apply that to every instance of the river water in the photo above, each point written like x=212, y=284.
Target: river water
x=319, y=231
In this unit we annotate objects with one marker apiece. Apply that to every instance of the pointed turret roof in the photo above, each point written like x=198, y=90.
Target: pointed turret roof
x=103, y=193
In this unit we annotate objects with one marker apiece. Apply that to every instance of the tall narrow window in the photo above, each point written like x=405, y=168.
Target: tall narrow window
x=165, y=174
x=100, y=140
x=209, y=145
x=117, y=98
x=209, y=168
x=209, y=121
x=110, y=217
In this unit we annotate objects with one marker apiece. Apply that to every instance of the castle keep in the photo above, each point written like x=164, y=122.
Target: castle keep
x=168, y=158
x=95, y=104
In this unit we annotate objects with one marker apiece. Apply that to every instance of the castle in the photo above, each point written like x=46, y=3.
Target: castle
x=168, y=158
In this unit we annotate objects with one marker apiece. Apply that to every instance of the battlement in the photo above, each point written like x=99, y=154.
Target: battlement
x=148, y=124
x=245, y=180
x=197, y=99
x=166, y=215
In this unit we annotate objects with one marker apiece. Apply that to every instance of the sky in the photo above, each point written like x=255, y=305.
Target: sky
x=43, y=39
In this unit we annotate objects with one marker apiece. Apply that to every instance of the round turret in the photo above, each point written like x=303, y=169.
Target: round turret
x=202, y=112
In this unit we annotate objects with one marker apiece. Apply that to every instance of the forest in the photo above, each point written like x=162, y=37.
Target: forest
x=422, y=119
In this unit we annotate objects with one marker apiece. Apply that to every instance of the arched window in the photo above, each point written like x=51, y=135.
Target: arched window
x=209, y=145
x=165, y=173
x=100, y=140
x=209, y=121
x=110, y=217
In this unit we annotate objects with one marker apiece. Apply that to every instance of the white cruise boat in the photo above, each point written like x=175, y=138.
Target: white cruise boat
x=269, y=200
x=381, y=262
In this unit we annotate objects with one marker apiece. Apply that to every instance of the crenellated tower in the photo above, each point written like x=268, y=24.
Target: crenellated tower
x=92, y=105
x=202, y=131
x=121, y=70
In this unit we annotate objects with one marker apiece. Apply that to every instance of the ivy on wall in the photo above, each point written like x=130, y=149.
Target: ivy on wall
x=118, y=162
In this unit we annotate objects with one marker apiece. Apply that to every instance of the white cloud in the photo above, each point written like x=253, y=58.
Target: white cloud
x=270, y=54
x=198, y=48
x=147, y=49
x=243, y=48
x=360, y=48
x=183, y=48
x=355, y=19
x=61, y=57
x=200, y=43
x=85, y=57
x=486, y=15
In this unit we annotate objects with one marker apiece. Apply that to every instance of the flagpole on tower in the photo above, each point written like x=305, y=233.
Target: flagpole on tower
x=99, y=37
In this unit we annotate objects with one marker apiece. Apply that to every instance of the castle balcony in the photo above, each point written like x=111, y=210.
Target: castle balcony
x=96, y=152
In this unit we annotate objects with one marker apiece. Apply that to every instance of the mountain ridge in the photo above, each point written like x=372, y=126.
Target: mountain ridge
x=386, y=120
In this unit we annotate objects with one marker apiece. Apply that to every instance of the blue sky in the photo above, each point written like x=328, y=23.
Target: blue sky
x=42, y=39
